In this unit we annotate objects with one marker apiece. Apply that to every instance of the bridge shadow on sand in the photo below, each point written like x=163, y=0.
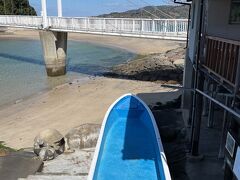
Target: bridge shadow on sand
x=87, y=69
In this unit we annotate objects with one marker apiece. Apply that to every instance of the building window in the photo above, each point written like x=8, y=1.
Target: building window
x=235, y=12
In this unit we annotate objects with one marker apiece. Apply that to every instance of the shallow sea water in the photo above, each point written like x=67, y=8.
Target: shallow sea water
x=22, y=69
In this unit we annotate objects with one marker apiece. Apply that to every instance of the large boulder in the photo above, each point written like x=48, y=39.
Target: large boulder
x=48, y=144
x=82, y=137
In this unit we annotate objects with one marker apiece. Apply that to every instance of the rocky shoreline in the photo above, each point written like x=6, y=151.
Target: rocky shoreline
x=167, y=66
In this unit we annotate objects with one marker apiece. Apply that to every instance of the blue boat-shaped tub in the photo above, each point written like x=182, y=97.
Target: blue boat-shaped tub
x=129, y=145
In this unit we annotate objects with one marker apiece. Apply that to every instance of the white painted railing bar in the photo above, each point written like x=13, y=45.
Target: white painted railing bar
x=157, y=28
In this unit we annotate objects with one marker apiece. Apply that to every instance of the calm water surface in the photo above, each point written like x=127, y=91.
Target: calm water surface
x=22, y=70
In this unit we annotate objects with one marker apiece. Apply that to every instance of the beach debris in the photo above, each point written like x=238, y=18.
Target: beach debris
x=48, y=144
x=18, y=101
x=179, y=63
x=82, y=137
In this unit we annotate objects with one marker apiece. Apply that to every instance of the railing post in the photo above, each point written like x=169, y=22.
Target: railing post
x=165, y=26
x=133, y=25
x=88, y=24
x=122, y=27
x=104, y=25
x=85, y=23
x=175, y=27
x=142, y=27
x=115, y=22
x=73, y=24
x=153, y=26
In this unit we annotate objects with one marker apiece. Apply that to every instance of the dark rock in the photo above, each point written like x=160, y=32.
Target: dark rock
x=48, y=144
x=162, y=66
x=19, y=165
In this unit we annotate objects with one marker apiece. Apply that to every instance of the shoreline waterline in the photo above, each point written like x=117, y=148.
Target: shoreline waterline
x=25, y=70
x=72, y=104
x=68, y=106
x=142, y=46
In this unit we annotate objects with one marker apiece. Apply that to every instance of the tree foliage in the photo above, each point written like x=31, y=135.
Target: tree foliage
x=16, y=7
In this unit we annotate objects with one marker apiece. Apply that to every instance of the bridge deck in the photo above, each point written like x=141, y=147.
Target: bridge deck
x=175, y=29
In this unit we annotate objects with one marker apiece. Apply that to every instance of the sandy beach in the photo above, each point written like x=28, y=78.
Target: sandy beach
x=136, y=45
x=79, y=102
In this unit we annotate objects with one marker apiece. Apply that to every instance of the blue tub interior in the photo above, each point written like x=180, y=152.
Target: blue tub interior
x=129, y=148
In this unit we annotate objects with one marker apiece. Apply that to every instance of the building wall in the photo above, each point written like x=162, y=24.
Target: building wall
x=194, y=29
x=218, y=20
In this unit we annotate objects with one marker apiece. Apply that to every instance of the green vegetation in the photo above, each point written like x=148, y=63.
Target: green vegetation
x=16, y=7
x=140, y=56
x=176, y=12
x=5, y=148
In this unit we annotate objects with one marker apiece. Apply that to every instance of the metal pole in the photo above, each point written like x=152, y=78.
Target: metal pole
x=44, y=14
x=236, y=114
x=188, y=27
x=237, y=81
x=211, y=107
x=197, y=121
x=59, y=3
x=195, y=111
x=224, y=129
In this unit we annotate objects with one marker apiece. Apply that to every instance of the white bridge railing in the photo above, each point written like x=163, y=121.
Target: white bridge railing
x=149, y=28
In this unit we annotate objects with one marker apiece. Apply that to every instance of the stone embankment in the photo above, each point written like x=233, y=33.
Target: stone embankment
x=166, y=66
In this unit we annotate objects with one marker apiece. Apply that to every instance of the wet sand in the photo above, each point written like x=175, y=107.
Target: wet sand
x=66, y=107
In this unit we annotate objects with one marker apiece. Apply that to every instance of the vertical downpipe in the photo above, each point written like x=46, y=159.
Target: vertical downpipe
x=197, y=100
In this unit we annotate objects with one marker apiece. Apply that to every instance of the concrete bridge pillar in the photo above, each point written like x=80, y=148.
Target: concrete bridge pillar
x=54, y=46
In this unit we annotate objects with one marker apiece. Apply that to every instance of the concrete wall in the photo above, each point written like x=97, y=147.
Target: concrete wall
x=54, y=45
x=218, y=20
x=194, y=29
x=188, y=76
